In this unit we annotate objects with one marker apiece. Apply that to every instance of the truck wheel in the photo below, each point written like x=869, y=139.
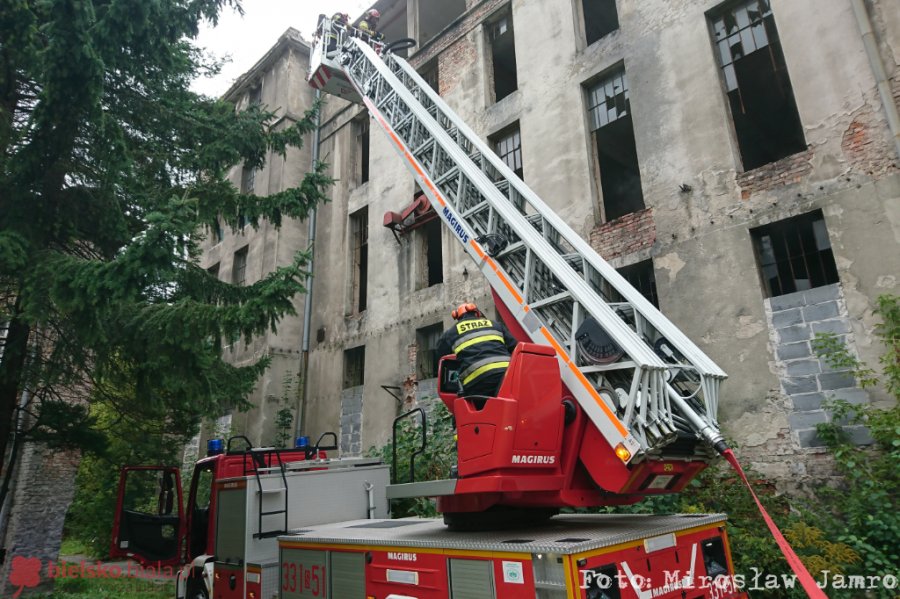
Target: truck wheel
x=196, y=589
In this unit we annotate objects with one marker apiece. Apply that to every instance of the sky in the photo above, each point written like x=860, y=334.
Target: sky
x=246, y=39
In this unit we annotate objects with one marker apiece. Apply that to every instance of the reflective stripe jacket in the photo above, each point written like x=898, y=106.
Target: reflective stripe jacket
x=481, y=345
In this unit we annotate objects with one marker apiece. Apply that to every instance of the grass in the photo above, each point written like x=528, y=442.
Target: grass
x=114, y=588
x=74, y=547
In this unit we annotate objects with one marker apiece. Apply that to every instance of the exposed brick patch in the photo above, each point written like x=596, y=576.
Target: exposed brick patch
x=452, y=64
x=476, y=12
x=866, y=147
x=787, y=171
x=625, y=235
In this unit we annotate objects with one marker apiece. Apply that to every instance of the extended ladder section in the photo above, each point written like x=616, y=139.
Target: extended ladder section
x=641, y=381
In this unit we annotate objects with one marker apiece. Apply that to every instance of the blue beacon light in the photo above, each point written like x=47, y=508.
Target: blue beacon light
x=214, y=447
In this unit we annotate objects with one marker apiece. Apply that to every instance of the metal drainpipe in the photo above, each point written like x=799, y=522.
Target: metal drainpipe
x=881, y=78
x=307, y=305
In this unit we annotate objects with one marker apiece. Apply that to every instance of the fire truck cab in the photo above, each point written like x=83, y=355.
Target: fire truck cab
x=222, y=541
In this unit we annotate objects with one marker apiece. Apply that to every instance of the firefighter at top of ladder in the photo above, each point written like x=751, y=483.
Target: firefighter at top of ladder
x=339, y=23
x=368, y=26
x=482, y=347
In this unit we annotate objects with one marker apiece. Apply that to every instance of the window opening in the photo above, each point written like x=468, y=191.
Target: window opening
x=426, y=355
x=642, y=278
x=508, y=146
x=503, y=57
x=359, y=231
x=794, y=254
x=363, y=145
x=239, y=268
x=609, y=108
x=354, y=366
x=433, y=273
x=600, y=19
x=760, y=96
x=248, y=180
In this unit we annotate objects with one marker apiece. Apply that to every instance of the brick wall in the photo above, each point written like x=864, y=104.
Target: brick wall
x=866, y=143
x=44, y=489
x=787, y=171
x=794, y=320
x=351, y=421
x=625, y=235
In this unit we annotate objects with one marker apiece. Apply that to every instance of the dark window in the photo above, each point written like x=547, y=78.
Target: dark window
x=503, y=56
x=641, y=277
x=433, y=271
x=508, y=146
x=714, y=558
x=254, y=96
x=426, y=354
x=239, y=266
x=794, y=254
x=759, y=90
x=248, y=180
x=609, y=108
x=354, y=366
x=359, y=236
x=214, y=270
x=363, y=145
x=217, y=231
x=600, y=18
x=431, y=76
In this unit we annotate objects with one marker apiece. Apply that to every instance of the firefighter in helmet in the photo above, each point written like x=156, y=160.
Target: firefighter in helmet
x=339, y=23
x=369, y=25
x=482, y=347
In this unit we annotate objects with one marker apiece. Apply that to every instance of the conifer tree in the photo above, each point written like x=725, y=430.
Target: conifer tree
x=111, y=171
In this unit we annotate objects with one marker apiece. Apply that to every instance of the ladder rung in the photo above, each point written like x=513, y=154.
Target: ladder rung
x=606, y=367
x=271, y=491
x=273, y=513
x=553, y=299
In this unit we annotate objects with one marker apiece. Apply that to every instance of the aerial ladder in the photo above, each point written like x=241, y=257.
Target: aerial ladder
x=638, y=399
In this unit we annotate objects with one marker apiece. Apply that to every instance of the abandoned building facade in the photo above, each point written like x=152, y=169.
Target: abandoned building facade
x=737, y=162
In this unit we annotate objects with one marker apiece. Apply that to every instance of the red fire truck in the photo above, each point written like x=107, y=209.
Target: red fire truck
x=609, y=556
x=223, y=541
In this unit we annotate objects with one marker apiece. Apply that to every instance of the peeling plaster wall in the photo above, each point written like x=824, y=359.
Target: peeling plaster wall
x=699, y=240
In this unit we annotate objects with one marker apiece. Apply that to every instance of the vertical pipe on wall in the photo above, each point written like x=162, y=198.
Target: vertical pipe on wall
x=307, y=304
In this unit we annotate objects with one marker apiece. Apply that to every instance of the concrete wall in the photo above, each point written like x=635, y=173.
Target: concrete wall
x=701, y=204
x=281, y=74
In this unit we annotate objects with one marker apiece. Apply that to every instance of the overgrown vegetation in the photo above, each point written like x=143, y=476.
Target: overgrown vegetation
x=111, y=588
x=113, y=172
x=848, y=530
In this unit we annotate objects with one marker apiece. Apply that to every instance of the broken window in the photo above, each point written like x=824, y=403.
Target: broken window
x=642, y=278
x=239, y=266
x=600, y=18
x=609, y=108
x=794, y=254
x=354, y=366
x=437, y=17
x=431, y=271
x=503, y=56
x=362, y=145
x=359, y=237
x=759, y=91
x=507, y=145
x=426, y=355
